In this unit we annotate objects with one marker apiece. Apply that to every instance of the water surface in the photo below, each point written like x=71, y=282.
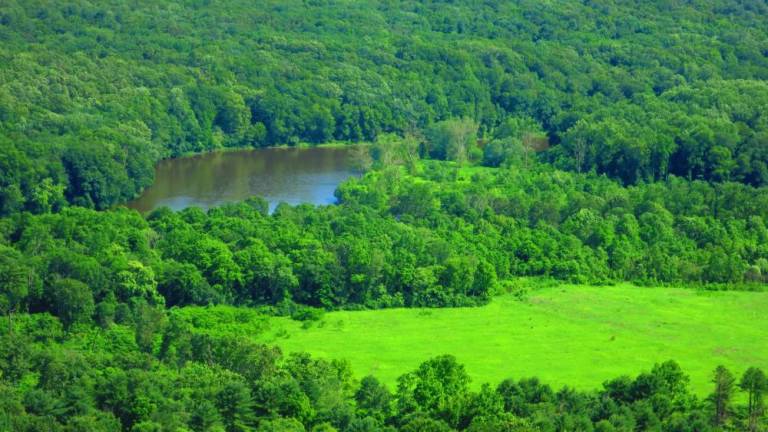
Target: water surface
x=291, y=175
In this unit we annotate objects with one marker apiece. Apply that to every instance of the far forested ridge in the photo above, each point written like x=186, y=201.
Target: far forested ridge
x=92, y=94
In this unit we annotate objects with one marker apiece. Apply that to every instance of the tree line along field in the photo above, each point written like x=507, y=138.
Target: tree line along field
x=95, y=304
x=97, y=293
x=566, y=335
x=593, y=143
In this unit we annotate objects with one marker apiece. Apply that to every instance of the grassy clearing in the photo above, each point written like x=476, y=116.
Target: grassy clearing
x=574, y=335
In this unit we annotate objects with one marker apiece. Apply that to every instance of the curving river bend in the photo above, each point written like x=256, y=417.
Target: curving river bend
x=291, y=175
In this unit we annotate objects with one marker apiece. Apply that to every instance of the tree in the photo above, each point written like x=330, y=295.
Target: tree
x=359, y=424
x=452, y=139
x=579, y=148
x=182, y=284
x=505, y=151
x=390, y=150
x=422, y=423
x=373, y=398
x=47, y=196
x=73, y=301
x=487, y=404
x=281, y=425
x=755, y=383
x=205, y=417
x=96, y=177
x=236, y=407
x=97, y=422
x=533, y=143
x=137, y=280
x=14, y=286
x=232, y=116
x=438, y=387
x=360, y=158
x=149, y=320
x=267, y=277
x=503, y=423
x=724, y=383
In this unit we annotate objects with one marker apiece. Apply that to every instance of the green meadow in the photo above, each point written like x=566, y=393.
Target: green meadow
x=567, y=335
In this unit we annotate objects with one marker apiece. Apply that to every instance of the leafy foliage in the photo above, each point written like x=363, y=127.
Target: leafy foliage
x=99, y=380
x=94, y=92
x=667, y=98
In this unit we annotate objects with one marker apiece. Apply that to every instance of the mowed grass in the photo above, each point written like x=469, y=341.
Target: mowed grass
x=568, y=335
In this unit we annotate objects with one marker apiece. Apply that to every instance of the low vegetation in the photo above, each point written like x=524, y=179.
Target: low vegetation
x=566, y=335
x=198, y=370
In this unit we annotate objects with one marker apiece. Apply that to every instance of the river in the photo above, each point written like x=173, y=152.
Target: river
x=290, y=175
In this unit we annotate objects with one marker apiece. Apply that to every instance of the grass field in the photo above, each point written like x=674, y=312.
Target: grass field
x=574, y=335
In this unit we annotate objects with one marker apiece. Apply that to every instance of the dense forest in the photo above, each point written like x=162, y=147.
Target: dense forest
x=435, y=234
x=590, y=142
x=93, y=93
x=101, y=351
x=194, y=379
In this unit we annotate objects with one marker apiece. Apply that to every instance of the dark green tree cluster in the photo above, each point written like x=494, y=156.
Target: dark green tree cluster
x=92, y=93
x=160, y=371
x=418, y=233
x=536, y=221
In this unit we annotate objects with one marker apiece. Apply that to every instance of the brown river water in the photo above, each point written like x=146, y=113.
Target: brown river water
x=290, y=175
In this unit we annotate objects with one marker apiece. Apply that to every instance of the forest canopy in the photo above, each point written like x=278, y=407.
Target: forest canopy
x=93, y=93
x=506, y=143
